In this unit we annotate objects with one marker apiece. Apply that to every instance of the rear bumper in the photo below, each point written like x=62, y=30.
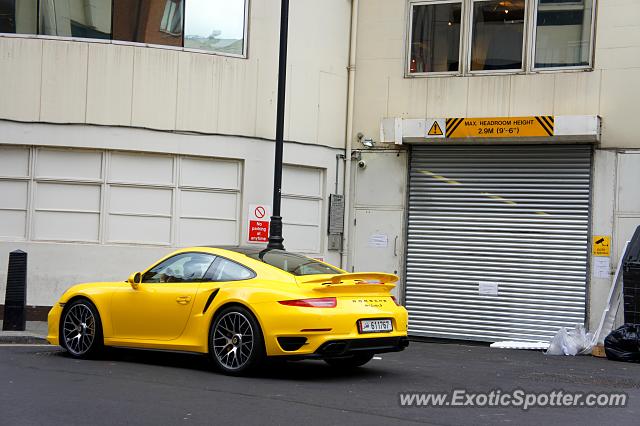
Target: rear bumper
x=345, y=347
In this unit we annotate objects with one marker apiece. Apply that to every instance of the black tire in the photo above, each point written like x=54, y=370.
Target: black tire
x=351, y=361
x=81, y=329
x=236, y=344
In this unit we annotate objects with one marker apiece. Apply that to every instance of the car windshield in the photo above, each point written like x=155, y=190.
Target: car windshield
x=293, y=263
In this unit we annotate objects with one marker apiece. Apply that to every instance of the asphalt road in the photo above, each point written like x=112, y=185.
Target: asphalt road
x=41, y=385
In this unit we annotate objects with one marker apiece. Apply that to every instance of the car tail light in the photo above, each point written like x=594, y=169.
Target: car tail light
x=395, y=301
x=323, y=302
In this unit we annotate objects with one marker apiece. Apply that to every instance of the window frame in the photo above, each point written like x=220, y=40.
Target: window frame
x=245, y=44
x=213, y=268
x=470, y=15
x=407, y=70
x=466, y=35
x=164, y=260
x=534, y=32
x=111, y=40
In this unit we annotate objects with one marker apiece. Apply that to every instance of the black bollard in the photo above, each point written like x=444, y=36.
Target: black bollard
x=16, y=296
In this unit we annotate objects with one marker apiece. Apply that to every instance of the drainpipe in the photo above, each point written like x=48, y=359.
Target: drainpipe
x=349, y=132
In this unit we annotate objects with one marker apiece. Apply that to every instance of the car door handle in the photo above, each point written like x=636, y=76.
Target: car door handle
x=183, y=300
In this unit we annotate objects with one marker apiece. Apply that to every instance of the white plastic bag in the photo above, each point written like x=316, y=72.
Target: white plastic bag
x=571, y=342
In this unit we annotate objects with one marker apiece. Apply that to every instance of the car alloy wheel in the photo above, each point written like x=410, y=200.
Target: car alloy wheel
x=236, y=341
x=81, y=331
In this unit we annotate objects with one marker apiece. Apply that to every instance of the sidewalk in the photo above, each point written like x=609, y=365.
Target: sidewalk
x=35, y=333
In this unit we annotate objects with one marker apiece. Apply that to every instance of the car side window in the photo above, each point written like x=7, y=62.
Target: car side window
x=227, y=270
x=184, y=267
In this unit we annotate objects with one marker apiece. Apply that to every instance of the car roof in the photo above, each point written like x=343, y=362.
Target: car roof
x=249, y=250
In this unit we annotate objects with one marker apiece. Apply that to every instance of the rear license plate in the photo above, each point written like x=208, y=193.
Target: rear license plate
x=375, y=326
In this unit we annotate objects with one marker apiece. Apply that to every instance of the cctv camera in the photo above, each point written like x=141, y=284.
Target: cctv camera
x=362, y=164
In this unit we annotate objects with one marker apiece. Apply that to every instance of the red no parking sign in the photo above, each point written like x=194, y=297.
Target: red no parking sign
x=259, y=216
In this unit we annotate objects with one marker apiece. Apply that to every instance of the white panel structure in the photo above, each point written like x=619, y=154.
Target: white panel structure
x=67, y=197
x=68, y=164
x=65, y=226
x=130, y=200
x=629, y=194
x=14, y=161
x=139, y=229
x=207, y=173
x=305, y=181
x=64, y=82
x=66, y=212
x=302, y=206
x=21, y=71
x=109, y=88
x=210, y=215
x=13, y=208
x=141, y=169
x=139, y=214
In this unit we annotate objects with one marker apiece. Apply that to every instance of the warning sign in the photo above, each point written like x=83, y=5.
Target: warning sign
x=501, y=127
x=259, y=216
x=601, y=245
x=435, y=128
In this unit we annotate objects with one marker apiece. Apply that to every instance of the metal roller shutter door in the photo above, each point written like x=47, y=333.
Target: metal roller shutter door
x=517, y=216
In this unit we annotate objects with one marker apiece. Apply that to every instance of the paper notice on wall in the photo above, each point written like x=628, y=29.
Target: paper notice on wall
x=378, y=240
x=488, y=288
x=602, y=267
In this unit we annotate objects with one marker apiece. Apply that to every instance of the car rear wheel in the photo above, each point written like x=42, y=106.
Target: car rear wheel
x=81, y=329
x=350, y=361
x=236, y=345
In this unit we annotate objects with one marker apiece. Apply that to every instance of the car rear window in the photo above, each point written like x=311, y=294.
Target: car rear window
x=293, y=263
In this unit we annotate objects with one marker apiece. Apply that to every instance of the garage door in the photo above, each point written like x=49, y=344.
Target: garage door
x=497, y=241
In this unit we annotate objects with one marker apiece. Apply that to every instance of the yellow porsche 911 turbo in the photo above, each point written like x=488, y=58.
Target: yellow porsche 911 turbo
x=239, y=306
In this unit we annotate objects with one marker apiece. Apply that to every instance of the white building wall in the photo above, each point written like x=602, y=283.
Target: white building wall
x=102, y=83
x=95, y=203
x=610, y=91
x=112, y=154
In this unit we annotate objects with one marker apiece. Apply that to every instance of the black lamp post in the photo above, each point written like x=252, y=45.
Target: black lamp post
x=275, y=230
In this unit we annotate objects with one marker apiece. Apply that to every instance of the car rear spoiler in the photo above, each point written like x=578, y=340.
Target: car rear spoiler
x=363, y=281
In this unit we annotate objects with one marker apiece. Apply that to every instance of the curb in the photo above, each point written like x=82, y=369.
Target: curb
x=9, y=338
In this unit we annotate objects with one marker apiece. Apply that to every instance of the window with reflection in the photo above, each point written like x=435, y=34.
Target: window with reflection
x=435, y=37
x=497, y=35
x=216, y=26
x=184, y=267
x=149, y=21
x=19, y=16
x=76, y=18
x=563, y=33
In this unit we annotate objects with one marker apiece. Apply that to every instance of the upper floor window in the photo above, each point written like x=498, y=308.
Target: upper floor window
x=156, y=22
x=80, y=18
x=19, y=16
x=462, y=37
x=563, y=33
x=218, y=26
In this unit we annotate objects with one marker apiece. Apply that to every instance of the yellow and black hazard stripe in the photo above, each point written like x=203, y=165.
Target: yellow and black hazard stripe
x=452, y=125
x=547, y=123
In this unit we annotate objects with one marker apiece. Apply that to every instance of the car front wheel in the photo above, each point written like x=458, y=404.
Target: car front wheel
x=81, y=329
x=236, y=345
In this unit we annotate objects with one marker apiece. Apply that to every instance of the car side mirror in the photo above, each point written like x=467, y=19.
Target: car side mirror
x=135, y=279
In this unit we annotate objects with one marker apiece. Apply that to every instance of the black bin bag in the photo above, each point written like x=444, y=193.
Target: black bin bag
x=623, y=343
